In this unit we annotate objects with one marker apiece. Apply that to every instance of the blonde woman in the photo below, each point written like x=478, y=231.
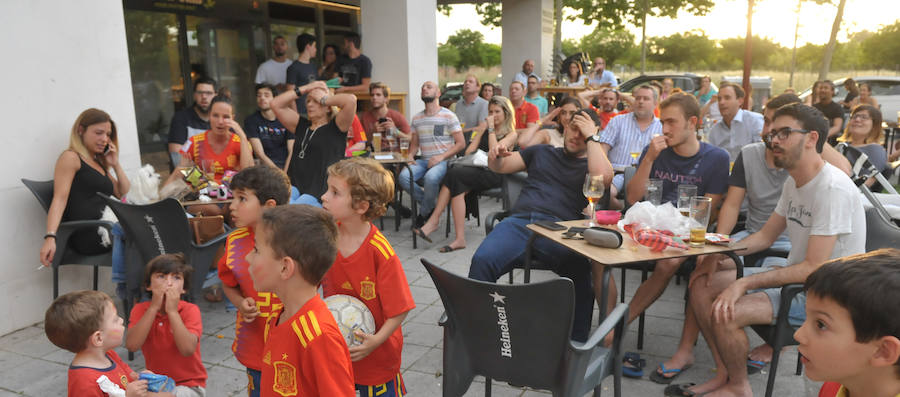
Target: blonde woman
x=463, y=179
x=865, y=97
x=81, y=172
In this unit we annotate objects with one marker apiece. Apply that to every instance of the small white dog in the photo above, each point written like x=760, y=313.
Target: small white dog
x=144, y=190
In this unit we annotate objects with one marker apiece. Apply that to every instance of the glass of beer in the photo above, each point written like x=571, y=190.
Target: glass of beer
x=634, y=157
x=593, y=190
x=376, y=142
x=685, y=193
x=701, y=208
x=404, y=148
x=654, y=191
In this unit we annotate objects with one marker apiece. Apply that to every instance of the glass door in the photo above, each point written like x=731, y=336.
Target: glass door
x=223, y=52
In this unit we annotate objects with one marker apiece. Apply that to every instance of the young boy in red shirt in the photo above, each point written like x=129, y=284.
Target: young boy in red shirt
x=167, y=329
x=255, y=189
x=367, y=268
x=305, y=353
x=851, y=334
x=86, y=323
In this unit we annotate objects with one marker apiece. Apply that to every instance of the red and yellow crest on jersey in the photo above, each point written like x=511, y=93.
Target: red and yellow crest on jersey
x=285, y=379
x=367, y=289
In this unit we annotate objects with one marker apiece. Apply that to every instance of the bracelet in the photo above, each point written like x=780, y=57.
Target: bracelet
x=490, y=130
x=50, y=235
x=322, y=100
x=297, y=91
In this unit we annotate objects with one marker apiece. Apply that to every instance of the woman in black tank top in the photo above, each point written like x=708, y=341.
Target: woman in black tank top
x=82, y=171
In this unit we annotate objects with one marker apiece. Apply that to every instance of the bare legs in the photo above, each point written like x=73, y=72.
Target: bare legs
x=458, y=210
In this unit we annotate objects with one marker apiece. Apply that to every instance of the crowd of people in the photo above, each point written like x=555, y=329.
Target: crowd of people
x=777, y=170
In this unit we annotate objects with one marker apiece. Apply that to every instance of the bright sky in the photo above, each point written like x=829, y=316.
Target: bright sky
x=771, y=18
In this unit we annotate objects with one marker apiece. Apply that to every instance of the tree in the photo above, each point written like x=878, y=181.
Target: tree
x=607, y=43
x=469, y=44
x=880, y=49
x=448, y=55
x=762, y=50
x=829, y=49
x=690, y=49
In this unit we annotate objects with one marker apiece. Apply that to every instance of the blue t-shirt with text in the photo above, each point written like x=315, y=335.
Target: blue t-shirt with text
x=707, y=169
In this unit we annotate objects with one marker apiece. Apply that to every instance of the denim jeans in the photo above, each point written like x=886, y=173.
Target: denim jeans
x=118, y=254
x=433, y=176
x=505, y=246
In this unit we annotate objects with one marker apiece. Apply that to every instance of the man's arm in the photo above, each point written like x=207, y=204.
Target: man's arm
x=362, y=87
x=505, y=162
x=728, y=215
x=256, y=143
x=765, y=237
x=585, y=97
x=836, y=159
x=835, y=126
x=818, y=250
x=637, y=186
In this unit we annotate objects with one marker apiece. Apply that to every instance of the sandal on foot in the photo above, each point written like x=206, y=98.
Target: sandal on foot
x=636, y=368
x=679, y=390
x=755, y=367
x=445, y=249
x=661, y=378
x=418, y=232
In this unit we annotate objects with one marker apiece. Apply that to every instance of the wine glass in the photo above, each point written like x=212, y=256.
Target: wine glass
x=593, y=190
x=634, y=157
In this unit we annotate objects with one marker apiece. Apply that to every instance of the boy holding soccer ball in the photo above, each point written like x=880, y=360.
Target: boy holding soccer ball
x=305, y=353
x=368, y=269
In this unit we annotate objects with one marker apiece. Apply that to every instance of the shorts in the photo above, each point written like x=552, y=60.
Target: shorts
x=797, y=312
x=253, y=377
x=783, y=243
x=393, y=388
x=190, y=391
x=618, y=181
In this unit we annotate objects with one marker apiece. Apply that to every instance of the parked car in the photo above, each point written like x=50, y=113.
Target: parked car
x=688, y=82
x=885, y=89
x=450, y=94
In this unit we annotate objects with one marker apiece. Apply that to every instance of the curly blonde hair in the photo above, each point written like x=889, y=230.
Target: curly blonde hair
x=368, y=181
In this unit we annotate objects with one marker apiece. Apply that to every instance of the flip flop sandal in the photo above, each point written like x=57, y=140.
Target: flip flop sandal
x=661, y=378
x=755, y=367
x=637, y=364
x=679, y=390
x=445, y=249
x=418, y=232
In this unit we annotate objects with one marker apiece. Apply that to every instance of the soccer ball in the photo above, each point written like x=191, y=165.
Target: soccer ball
x=351, y=315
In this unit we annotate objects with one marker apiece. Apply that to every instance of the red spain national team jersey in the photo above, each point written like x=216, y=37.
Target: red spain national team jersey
x=197, y=149
x=83, y=380
x=527, y=113
x=374, y=275
x=249, y=338
x=160, y=353
x=305, y=355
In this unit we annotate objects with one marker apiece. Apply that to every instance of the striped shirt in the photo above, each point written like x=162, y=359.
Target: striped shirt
x=435, y=132
x=625, y=136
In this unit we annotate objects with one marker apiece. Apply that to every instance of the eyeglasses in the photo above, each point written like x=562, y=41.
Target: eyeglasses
x=206, y=93
x=860, y=116
x=782, y=134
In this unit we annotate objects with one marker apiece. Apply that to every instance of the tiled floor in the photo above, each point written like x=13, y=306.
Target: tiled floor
x=30, y=365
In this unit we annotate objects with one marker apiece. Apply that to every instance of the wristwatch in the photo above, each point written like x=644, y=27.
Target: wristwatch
x=297, y=91
x=322, y=100
x=595, y=138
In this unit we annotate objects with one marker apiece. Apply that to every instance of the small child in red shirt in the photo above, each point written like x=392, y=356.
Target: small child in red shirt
x=255, y=189
x=168, y=329
x=367, y=268
x=305, y=353
x=86, y=323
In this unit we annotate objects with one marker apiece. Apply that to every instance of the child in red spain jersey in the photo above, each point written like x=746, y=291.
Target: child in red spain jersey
x=86, y=323
x=305, y=353
x=167, y=329
x=367, y=268
x=255, y=189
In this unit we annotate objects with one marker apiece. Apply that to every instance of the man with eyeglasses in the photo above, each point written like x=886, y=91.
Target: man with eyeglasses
x=192, y=120
x=821, y=211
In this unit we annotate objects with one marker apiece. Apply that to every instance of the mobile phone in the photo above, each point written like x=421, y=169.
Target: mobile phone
x=577, y=230
x=550, y=225
x=382, y=120
x=106, y=149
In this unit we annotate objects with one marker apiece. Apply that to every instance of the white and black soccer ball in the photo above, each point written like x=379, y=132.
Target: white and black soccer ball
x=350, y=314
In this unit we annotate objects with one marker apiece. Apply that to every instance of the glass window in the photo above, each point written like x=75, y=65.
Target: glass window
x=290, y=33
x=156, y=80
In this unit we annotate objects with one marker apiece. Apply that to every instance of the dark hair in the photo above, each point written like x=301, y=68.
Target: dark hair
x=781, y=100
x=570, y=99
x=613, y=90
x=304, y=40
x=277, y=37
x=591, y=114
x=337, y=51
x=483, y=85
x=377, y=85
x=266, y=182
x=738, y=90
x=647, y=87
x=72, y=318
x=266, y=86
x=868, y=286
x=354, y=38
x=810, y=119
x=306, y=234
x=205, y=80
x=876, y=133
x=222, y=98
x=829, y=83
x=687, y=103
x=169, y=264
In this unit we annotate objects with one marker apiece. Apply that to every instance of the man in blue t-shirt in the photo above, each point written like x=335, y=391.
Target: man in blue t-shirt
x=676, y=157
x=552, y=192
x=271, y=142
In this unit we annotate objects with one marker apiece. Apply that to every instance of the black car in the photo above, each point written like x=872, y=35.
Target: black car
x=450, y=94
x=688, y=82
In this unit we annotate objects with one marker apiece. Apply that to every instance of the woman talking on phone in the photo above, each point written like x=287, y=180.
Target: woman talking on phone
x=81, y=172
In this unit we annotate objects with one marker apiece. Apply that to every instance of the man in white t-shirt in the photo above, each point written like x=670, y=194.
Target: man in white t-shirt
x=274, y=71
x=824, y=217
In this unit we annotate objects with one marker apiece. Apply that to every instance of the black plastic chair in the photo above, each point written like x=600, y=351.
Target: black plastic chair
x=43, y=192
x=881, y=232
x=161, y=228
x=472, y=206
x=520, y=334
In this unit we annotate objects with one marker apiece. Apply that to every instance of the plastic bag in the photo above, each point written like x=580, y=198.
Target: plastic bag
x=158, y=383
x=664, y=217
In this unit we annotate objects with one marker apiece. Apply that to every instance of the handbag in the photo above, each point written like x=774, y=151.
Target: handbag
x=477, y=159
x=206, y=228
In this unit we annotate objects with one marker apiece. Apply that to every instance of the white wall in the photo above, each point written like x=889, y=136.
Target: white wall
x=60, y=57
x=527, y=34
x=400, y=36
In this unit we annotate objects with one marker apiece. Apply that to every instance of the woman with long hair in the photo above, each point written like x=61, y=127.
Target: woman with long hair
x=705, y=92
x=865, y=97
x=574, y=74
x=864, y=132
x=487, y=91
x=463, y=179
x=852, y=93
x=330, y=55
x=82, y=171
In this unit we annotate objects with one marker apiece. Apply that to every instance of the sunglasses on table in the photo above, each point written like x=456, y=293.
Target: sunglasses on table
x=781, y=134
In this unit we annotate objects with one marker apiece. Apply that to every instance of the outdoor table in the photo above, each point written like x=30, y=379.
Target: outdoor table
x=890, y=136
x=198, y=202
x=561, y=90
x=629, y=253
x=392, y=160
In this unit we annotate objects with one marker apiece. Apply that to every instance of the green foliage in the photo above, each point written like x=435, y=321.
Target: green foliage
x=615, y=14
x=882, y=48
x=467, y=48
x=444, y=9
x=682, y=50
x=448, y=55
x=607, y=43
x=762, y=52
x=490, y=13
